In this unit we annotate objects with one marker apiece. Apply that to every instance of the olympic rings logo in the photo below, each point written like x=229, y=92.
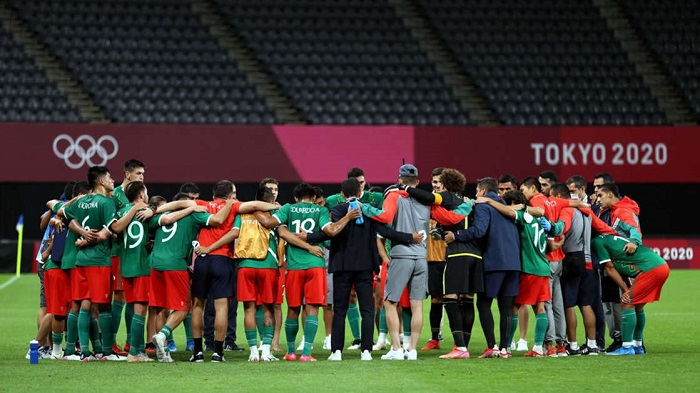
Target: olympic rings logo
x=85, y=148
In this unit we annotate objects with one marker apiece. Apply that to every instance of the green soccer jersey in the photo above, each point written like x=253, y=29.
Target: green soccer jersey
x=375, y=199
x=533, y=245
x=120, y=200
x=93, y=211
x=270, y=261
x=50, y=264
x=172, y=249
x=610, y=248
x=133, y=255
x=306, y=217
x=70, y=251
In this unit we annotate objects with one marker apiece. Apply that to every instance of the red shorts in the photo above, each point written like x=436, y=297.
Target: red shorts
x=74, y=280
x=280, y=286
x=382, y=274
x=137, y=289
x=257, y=285
x=533, y=289
x=309, y=285
x=646, y=287
x=117, y=279
x=57, y=288
x=170, y=290
x=405, y=300
x=94, y=283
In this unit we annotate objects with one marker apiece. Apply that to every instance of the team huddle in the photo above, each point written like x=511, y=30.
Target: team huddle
x=367, y=256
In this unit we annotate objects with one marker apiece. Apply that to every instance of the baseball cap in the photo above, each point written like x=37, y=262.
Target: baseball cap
x=408, y=170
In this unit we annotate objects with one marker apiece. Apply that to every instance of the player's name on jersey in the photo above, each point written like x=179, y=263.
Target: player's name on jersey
x=87, y=205
x=250, y=222
x=305, y=210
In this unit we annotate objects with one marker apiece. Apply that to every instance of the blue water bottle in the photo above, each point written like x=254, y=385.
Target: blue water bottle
x=354, y=204
x=33, y=352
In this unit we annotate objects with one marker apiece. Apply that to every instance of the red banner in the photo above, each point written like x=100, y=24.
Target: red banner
x=323, y=154
x=679, y=253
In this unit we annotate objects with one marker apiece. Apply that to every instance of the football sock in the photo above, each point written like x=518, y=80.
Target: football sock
x=138, y=324
x=128, y=318
x=406, y=318
x=466, y=305
x=483, y=304
x=505, y=309
x=117, y=308
x=354, y=320
x=71, y=333
x=639, y=327
x=252, y=336
x=95, y=335
x=167, y=332
x=382, y=322
x=541, y=324
x=629, y=323
x=291, y=328
x=57, y=341
x=259, y=320
x=310, y=329
x=219, y=347
x=106, y=325
x=513, y=326
x=435, y=317
x=188, y=327
x=197, y=345
x=267, y=333
x=454, y=315
x=84, y=331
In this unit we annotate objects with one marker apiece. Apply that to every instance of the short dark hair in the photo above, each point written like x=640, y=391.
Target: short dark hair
x=223, y=189
x=181, y=196
x=264, y=194
x=133, y=190
x=514, y=197
x=81, y=187
x=507, y=178
x=561, y=191
x=488, y=183
x=610, y=187
x=303, y=191
x=350, y=187
x=375, y=189
x=68, y=190
x=155, y=200
x=607, y=178
x=269, y=180
x=318, y=192
x=549, y=175
x=531, y=181
x=438, y=171
x=453, y=180
x=94, y=174
x=577, y=180
x=132, y=164
x=355, y=172
x=189, y=188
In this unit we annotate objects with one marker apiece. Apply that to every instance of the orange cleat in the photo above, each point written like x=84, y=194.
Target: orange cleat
x=431, y=344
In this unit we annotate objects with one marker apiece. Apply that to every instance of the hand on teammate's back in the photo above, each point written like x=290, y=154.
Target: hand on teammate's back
x=418, y=237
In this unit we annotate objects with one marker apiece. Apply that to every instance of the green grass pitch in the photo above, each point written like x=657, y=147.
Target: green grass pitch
x=673, y=362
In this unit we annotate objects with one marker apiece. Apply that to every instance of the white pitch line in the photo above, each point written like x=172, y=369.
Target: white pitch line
x=8, y=282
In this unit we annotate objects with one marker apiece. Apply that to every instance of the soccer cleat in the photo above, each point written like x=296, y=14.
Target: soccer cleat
x=116, y=349
x=534, y=354
x=355, y=345
x=552, y=352
x=87, y=357
x=586, y=350
x=616, y=344
x=197, y=357
x=166, y=358
x=431, y=344
x=512, y=346
x=45, y=353
x=254, y=356
x=150, y=348
x=456, y=354
x=268, y=358
x=327, y=343
x=56, y=355
x=172, y=347
x=291, y=357
x=504, y=354
x=159, y=342
x=394, y=354
x=127, y=347
x=305, y=358
x=572, y=352
x=133, y=359
x=336, y=356
x=144, y=357
x=190, y=345
x=639, y=350
x=561, y=350
x=114, y=358
x=522, y=345
x=622, y=351
x=366, y=355
x=301, y=344
x=98, y=356
x=232, y=347
x=489, y=353
x=73, y=357
x=411, y=355
x=380, y=345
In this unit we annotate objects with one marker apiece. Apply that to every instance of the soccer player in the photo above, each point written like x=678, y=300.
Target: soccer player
x=650, y=272
x=306, y=273
x=172, y=254
x=534, y=278
x=93, y=262
x=133, y=171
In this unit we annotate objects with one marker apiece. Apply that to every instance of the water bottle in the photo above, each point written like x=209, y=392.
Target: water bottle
x=354, y=204
x=195, y=244
x=33, y=352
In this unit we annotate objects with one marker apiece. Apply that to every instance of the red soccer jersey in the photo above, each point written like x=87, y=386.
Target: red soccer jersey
x=207, y=236
x=552, y=208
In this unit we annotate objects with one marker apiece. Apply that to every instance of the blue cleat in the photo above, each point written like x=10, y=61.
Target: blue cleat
x=190, y=345
x=622, y=351
x=172, y=347
x=639, y=350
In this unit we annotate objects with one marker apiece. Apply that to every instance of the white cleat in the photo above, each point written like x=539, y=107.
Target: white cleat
x=522, y=346
x=301, y=344
x=366, y=355
x=327, y=343
x=158, y=340
x=336, y=356
x=58, y=355
x=268, y=358
x=394, y=354
x=380, y=345
x=73, y=357
x=114, y=358
x=254, y=355
x=166, y=358
x=411, y=355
